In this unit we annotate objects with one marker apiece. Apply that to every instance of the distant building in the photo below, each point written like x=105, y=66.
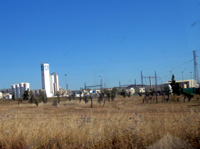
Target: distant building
x=1, y=95
x=7, y=96
x=50, y=83
x=64, y=92
x=36, y=92
x=186, y=83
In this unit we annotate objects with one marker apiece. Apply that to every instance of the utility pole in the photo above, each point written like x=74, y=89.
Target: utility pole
x=196, y=74
x=119, y=85
x=101, y=82
x=150, y=81
x=156, y=86
x=191, y=78
x=135, y=83
x=150, y=77
x=66, y=81
x=182, y=76
x=85, y=86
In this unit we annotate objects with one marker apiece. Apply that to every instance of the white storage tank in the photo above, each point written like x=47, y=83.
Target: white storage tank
x=26, y=86
x=21, y=85
x=17, y=91
x=132, y=91
x=13, y=90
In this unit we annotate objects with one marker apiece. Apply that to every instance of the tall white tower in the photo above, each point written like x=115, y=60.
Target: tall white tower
x=45, y=78
x=54, y=83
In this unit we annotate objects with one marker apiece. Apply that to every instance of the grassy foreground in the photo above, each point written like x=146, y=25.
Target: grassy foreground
x=123, y=123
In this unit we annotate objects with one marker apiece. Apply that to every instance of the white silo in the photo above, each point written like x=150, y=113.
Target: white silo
x=21, y=85
x=26, y=86
x=17, y=91
x=13, y=89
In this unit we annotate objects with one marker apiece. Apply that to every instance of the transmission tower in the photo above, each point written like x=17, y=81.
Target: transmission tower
x=196, y=74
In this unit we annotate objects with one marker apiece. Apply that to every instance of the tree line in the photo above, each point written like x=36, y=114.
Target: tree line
x=102, y=96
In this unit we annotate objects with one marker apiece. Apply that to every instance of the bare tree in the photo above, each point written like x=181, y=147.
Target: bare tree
x=58, y=93
x=91, y=99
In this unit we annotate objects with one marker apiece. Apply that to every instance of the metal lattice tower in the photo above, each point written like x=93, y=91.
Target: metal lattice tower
x=196, y=74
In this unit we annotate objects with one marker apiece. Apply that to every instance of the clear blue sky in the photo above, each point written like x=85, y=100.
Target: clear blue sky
x=87, y=38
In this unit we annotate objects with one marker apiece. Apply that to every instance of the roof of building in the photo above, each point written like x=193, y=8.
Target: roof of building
x=180, y=81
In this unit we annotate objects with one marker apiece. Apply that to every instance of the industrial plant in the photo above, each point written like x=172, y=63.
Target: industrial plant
x=50, y=84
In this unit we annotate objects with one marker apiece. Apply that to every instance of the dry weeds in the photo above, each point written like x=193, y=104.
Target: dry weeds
x=124, y=123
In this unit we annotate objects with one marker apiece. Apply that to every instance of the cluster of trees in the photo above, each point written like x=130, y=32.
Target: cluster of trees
x=32, y=98
x=102, y=96
x=39, y=98
x=150, y=96
x=125, y=93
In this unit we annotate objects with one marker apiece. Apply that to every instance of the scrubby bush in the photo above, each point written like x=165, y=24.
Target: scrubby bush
x=42, y=97
x=123, y=93
x=113, y=93
x=188, y=95
x=58, y=93
x=55, y=102
x=26, y=95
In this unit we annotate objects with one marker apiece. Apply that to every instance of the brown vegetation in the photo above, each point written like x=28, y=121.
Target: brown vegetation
x=123, y=123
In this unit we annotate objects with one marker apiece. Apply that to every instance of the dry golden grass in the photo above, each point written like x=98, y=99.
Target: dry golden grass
x=124, y=123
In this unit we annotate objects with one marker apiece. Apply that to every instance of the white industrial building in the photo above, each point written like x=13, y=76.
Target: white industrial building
x=1, y=95
x=50, y=83
x=186, y=83
x=36, y=92
x=18, y=89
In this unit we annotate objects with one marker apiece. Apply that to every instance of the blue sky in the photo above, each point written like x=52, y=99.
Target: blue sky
x=84, y=39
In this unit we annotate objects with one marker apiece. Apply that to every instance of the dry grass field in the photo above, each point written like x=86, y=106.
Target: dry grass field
x=123, y=123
